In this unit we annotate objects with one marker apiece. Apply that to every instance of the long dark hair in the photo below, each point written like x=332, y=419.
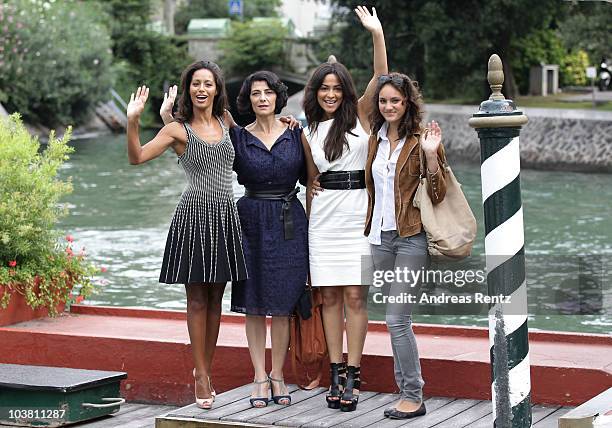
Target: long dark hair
x=411, y=121
x=345, y=118
x=185, y=106
x=243, y=101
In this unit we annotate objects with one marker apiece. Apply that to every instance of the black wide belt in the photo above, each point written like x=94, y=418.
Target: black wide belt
x=277, y=193
x=343, y=180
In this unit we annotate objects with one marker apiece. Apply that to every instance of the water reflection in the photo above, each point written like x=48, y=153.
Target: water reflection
x=121, y=213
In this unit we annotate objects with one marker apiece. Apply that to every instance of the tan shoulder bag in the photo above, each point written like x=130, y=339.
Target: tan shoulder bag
x=450, y=225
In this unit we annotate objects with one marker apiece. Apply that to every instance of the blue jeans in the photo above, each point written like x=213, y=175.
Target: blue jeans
x=404, y=253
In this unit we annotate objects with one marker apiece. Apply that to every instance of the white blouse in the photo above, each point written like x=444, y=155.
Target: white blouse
x=383, y=172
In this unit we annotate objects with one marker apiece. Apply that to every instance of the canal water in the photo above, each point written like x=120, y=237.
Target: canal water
x=120, y=213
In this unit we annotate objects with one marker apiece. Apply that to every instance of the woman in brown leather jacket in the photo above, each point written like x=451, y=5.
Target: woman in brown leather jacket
x=393, y=224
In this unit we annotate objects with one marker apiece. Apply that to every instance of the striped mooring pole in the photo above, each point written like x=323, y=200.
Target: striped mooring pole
x=498, y=123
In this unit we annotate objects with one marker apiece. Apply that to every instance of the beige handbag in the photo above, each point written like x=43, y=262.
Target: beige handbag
x=450, y=225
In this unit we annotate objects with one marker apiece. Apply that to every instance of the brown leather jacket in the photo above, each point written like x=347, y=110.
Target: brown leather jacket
x=407, y=217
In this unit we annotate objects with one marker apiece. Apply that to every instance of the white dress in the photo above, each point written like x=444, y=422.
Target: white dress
x=338, y=249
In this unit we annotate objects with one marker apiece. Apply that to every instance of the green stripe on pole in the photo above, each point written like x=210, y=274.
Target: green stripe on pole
x=518, y=347
x=502, y=205
x=509, y=276
x=493, y=140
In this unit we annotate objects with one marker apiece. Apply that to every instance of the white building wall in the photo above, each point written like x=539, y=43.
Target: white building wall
x=305, y=13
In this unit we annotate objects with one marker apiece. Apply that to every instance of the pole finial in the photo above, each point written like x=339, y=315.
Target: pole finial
x=495, y=76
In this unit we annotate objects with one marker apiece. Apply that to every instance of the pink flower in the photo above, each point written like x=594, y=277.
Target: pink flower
x=103, y=269
x=69, y=238
x=69, y=252
x=12, y=263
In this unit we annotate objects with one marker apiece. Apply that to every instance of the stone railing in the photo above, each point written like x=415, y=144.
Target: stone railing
x=556, y=139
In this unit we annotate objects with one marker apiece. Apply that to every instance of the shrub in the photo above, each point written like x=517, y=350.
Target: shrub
x=573, y=69
x=55, y=57
x=33, y=260
x=254, y=46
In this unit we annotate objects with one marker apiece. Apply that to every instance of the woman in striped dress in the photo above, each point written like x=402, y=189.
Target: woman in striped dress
x=204, y=245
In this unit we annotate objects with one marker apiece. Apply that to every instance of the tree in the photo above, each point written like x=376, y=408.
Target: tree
x=195, y=9
x=253, y=46
x=445, y=44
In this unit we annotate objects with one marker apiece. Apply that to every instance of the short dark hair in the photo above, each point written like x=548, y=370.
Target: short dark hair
x=411, y=121
x=243, y=102
x=185, y=106
x=345, y=118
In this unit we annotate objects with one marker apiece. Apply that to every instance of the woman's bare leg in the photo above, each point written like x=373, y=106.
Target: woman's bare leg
x=197, y=305
x=333, y=321
x=280, y=344
x=255, y=327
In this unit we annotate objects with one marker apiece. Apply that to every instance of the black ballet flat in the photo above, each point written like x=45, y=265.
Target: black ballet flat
x=396, y=414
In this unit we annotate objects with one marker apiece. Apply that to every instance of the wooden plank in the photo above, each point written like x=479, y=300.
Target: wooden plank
x=193, y=411
x=584, y=415
x=249, y=414
x=486, y=422
x=469, y=416
x=234, y=407
x=379, y=419
x=303, y=418
x=316, y=401
x=148, y=420
x=176, y=422
x=375, y=404
x=142, y=412
x=552, y=420
x=539, y=412
x=441, y=414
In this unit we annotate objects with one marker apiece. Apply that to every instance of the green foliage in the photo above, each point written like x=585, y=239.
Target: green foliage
x=443, y=44
x=587, y=28
x=55, y=59
x=143, y=56
x=254, y=46
x=539, y=47
x=32, y=260
x=573, y=69
x=197, y=9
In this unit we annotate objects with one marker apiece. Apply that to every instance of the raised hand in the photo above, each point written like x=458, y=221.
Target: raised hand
x=433, y=137
x=137, y=103
x=168, y=103
x=369, y=21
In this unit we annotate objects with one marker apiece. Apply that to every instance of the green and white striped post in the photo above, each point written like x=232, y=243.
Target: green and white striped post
x=498, y=124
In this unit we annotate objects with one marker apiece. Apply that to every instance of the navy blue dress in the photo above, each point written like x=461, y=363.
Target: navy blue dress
x=278, y=267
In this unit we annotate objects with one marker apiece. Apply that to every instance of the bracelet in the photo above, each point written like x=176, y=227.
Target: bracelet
x=434, y=173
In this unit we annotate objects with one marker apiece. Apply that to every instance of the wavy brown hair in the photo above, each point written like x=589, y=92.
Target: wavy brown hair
x=345, y=117
x=185, y=106
x=410, y=123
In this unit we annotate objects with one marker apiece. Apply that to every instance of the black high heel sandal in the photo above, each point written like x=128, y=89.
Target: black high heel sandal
x=284, y=400
x=348, y=402
x=338, y=378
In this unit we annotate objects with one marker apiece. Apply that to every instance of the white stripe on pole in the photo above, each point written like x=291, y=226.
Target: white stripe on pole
x=506, y=239
x=520, y=382
x=501, y=168
x=514, y=312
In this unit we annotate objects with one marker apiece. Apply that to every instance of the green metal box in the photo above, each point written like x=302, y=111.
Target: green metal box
x=38, y=396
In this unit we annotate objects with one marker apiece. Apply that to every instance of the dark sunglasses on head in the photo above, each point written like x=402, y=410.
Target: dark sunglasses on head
x=397, y=80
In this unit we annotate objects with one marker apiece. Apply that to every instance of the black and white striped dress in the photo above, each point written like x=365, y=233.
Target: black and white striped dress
x=205, y=242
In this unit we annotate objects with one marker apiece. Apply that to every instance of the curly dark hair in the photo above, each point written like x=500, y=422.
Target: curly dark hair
x=345, y=118
x=243, y=101
x=411, y=121
x=185, y=106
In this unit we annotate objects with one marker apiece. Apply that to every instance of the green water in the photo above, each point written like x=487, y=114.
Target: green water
x=120, y=214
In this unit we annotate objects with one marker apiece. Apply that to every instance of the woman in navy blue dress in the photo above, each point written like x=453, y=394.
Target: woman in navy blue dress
x=269, y=161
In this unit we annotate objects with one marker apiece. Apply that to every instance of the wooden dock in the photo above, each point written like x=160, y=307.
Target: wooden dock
x=308, y=409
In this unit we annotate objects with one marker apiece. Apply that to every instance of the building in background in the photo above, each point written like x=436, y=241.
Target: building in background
x=310, y=17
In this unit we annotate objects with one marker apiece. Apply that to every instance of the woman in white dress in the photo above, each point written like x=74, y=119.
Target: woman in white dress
x=336, y=146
